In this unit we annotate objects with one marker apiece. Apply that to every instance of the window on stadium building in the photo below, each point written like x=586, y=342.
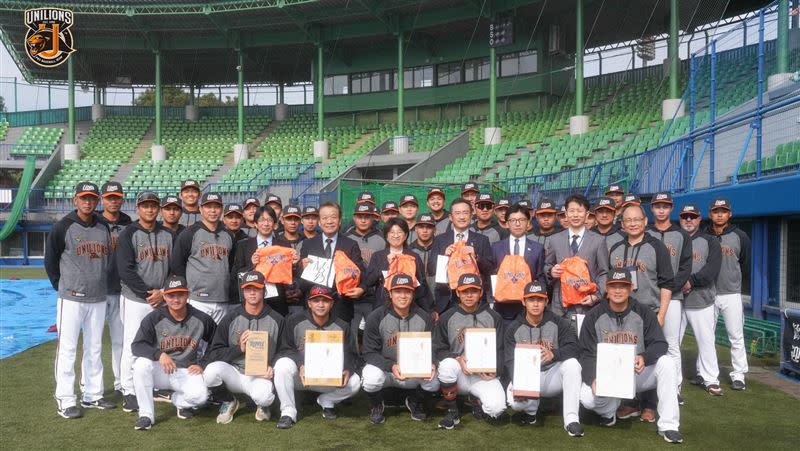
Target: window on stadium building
x=336, y=85
x=477, y=69
x=371, y=82
x=448, y=74
x=418, y=77
x=36, y=242
x=518, y=63
x=11, y=246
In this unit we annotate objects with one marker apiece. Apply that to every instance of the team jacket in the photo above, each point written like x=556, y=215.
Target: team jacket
x=188, y=218
x=553, y=333
x=493, y=231
x=706, y=261
x=679, y=248
x=76, y=258
x=542, y=238
x=160, y=333
x=636, y=325
x=204, y=258
x=735, y=267
x=613, y=236
x=293, y=341
x=380, y=334
x=653, y=269
x=143, y=259
x=369, y=244
x=443, y=224
x=448, y=335
x=225, y=345
x=115, y=228
x=177, y=232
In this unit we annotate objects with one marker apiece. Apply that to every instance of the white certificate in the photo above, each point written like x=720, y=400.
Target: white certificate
x=579, y=322
x=527, y=370
x=494, y=283
x=441, y=269
x=270, y=290
x=615, y=375
x=414, y=354
x=324, y=358
x=480, y=350
x=319, y=271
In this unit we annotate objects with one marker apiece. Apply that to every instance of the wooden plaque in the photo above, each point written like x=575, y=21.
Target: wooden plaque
x=256, y=355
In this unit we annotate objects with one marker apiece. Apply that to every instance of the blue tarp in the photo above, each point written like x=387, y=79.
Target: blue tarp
x=27, y=310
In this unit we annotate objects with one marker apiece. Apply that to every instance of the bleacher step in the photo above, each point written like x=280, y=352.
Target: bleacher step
x=262, y=136
x=141, y=152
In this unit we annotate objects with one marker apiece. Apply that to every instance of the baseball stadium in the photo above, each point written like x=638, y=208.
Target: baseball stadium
x=202, y=201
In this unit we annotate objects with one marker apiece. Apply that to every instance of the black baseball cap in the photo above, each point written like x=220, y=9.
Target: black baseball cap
x=320, y=291
x=720, y=203
x=546, y=205
x=147, y=196
x=484, y=198
x=605, y=203
x=534, y=290
x=690, y=210
x=619, y=276
x=272, y=198
x=112, y=189
x=366, y=196
x=502, y=203
x=525, y=203
x=366, y=209
x=438, y=191
x=251, y=201
x=311, y=211
x=631, y=199
x=401, y=280
x=209, y=198
x=389, y=206
x=469, y=281
x=190, y=183
x=175, y=284
x=662, y=198
x=171, y=200
x=233, y=209
x=615, y=189
x=252, y=279
x=425, y=219
x=469, y=186
x=409, y=199
x=562, y=211
x=291, y=211
x=89, y=188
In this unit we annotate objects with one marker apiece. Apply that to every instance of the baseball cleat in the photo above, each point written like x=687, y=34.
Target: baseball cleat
x=376, y=414
x=162, y=396
x=625, y=412
x=185, y=414
x=227, y=410
x=671, y=436
x=329, y=414
x=477, y=408
x=417, y=409
x=130, y=404
x=698, y=380
x=101, y=404
x=574, y=429
x=738, y=385
x=648, y=416
x=608, y=422
x=143, y=424
x=285, y=422
x=527, y=419
x=70, y=413
x=263, y=413
x=714, y=390
x=450, y=420
x=680, y=400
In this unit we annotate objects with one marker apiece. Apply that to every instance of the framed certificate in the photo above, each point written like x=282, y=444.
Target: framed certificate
x=615, y=374
x=256, y=355
x=414, y=354
x=527, y=370
x=324, y=358
x=480, y=350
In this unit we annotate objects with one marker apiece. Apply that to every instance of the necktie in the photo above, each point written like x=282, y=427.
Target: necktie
x=328, y=247
x=516, y=246
x=264, y=243
x=574, y=245
x=459, y=237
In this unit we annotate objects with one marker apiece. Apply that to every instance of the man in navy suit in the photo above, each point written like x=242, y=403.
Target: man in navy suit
x=476, y=245
x=324, y=245
x=517, y=217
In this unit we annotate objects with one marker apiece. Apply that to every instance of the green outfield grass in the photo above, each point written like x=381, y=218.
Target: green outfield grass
x=22, y=273
x=759, y=418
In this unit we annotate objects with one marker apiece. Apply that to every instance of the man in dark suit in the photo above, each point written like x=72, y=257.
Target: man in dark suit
x=517, y=217
x=324, y=245
x=576, y=240
x=476, y=245
x=243, y=260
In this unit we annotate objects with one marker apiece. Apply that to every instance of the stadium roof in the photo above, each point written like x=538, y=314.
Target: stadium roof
x=116, y=39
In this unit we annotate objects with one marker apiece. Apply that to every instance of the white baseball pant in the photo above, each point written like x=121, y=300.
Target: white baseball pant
x=561, y=378
x=672, y=333
x=132, y=314
x=216, y=310
x=375, y=379
x=188, y=390
x=660, y=376
x=730, y=307
x=491, y=394
x=287, y=377
x=259, y=389
x=72, y=318
x=704, y=323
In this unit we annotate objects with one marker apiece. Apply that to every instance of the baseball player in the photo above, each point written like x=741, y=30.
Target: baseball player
x=561, y=372
x=484, y=222
x=425, y=228
x=734, y=269
x=365, y=231
x=389, y=210
x=224, y=372
x=484, y=389
x=112, y=216
x=379, y=351
x=232, y=218
x=167, y=348
x=409, y=207
x=143, y=251
x=289, y=369
x=249, y=208
x=203, y=254
x=545, y=216
x=275, y=202
x=617, y=194
x=310, y=221
x=623, y=320
x=76, y=261
x=440, y=215
x=469, y=192
x=290, y=219
x=171, y=212
x=699, y=293
x=605, y=212
x=561, y=216
x=189, y=194
x=500, y=209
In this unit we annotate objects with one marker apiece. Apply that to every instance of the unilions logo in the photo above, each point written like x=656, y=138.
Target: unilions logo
x=48, y=41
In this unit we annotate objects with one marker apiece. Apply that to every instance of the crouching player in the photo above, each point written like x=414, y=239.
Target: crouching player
x=289, y=369
x=623, y=320
x=560, y=370
x=382, y=369
x=485, y=390
x=224, y=375
x=167, y=349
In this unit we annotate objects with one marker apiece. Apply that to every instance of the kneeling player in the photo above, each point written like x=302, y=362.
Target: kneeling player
x=623, y=320
x=166, y=350
x=561, y=372
x=227, y=352
x=289, y=369
x=380, y=350
x=485, y=390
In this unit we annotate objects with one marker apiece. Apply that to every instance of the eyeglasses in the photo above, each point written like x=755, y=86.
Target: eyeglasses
x=484, y=206
x=517, y=220
x=633, y=220
x=265, y=220
x=689, y=218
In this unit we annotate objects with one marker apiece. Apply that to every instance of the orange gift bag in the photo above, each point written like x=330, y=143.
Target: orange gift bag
x=275, y=263
x=401, y=264
x=575, y=281
x=347, y=273
x=512, y=276
x=460, y=263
